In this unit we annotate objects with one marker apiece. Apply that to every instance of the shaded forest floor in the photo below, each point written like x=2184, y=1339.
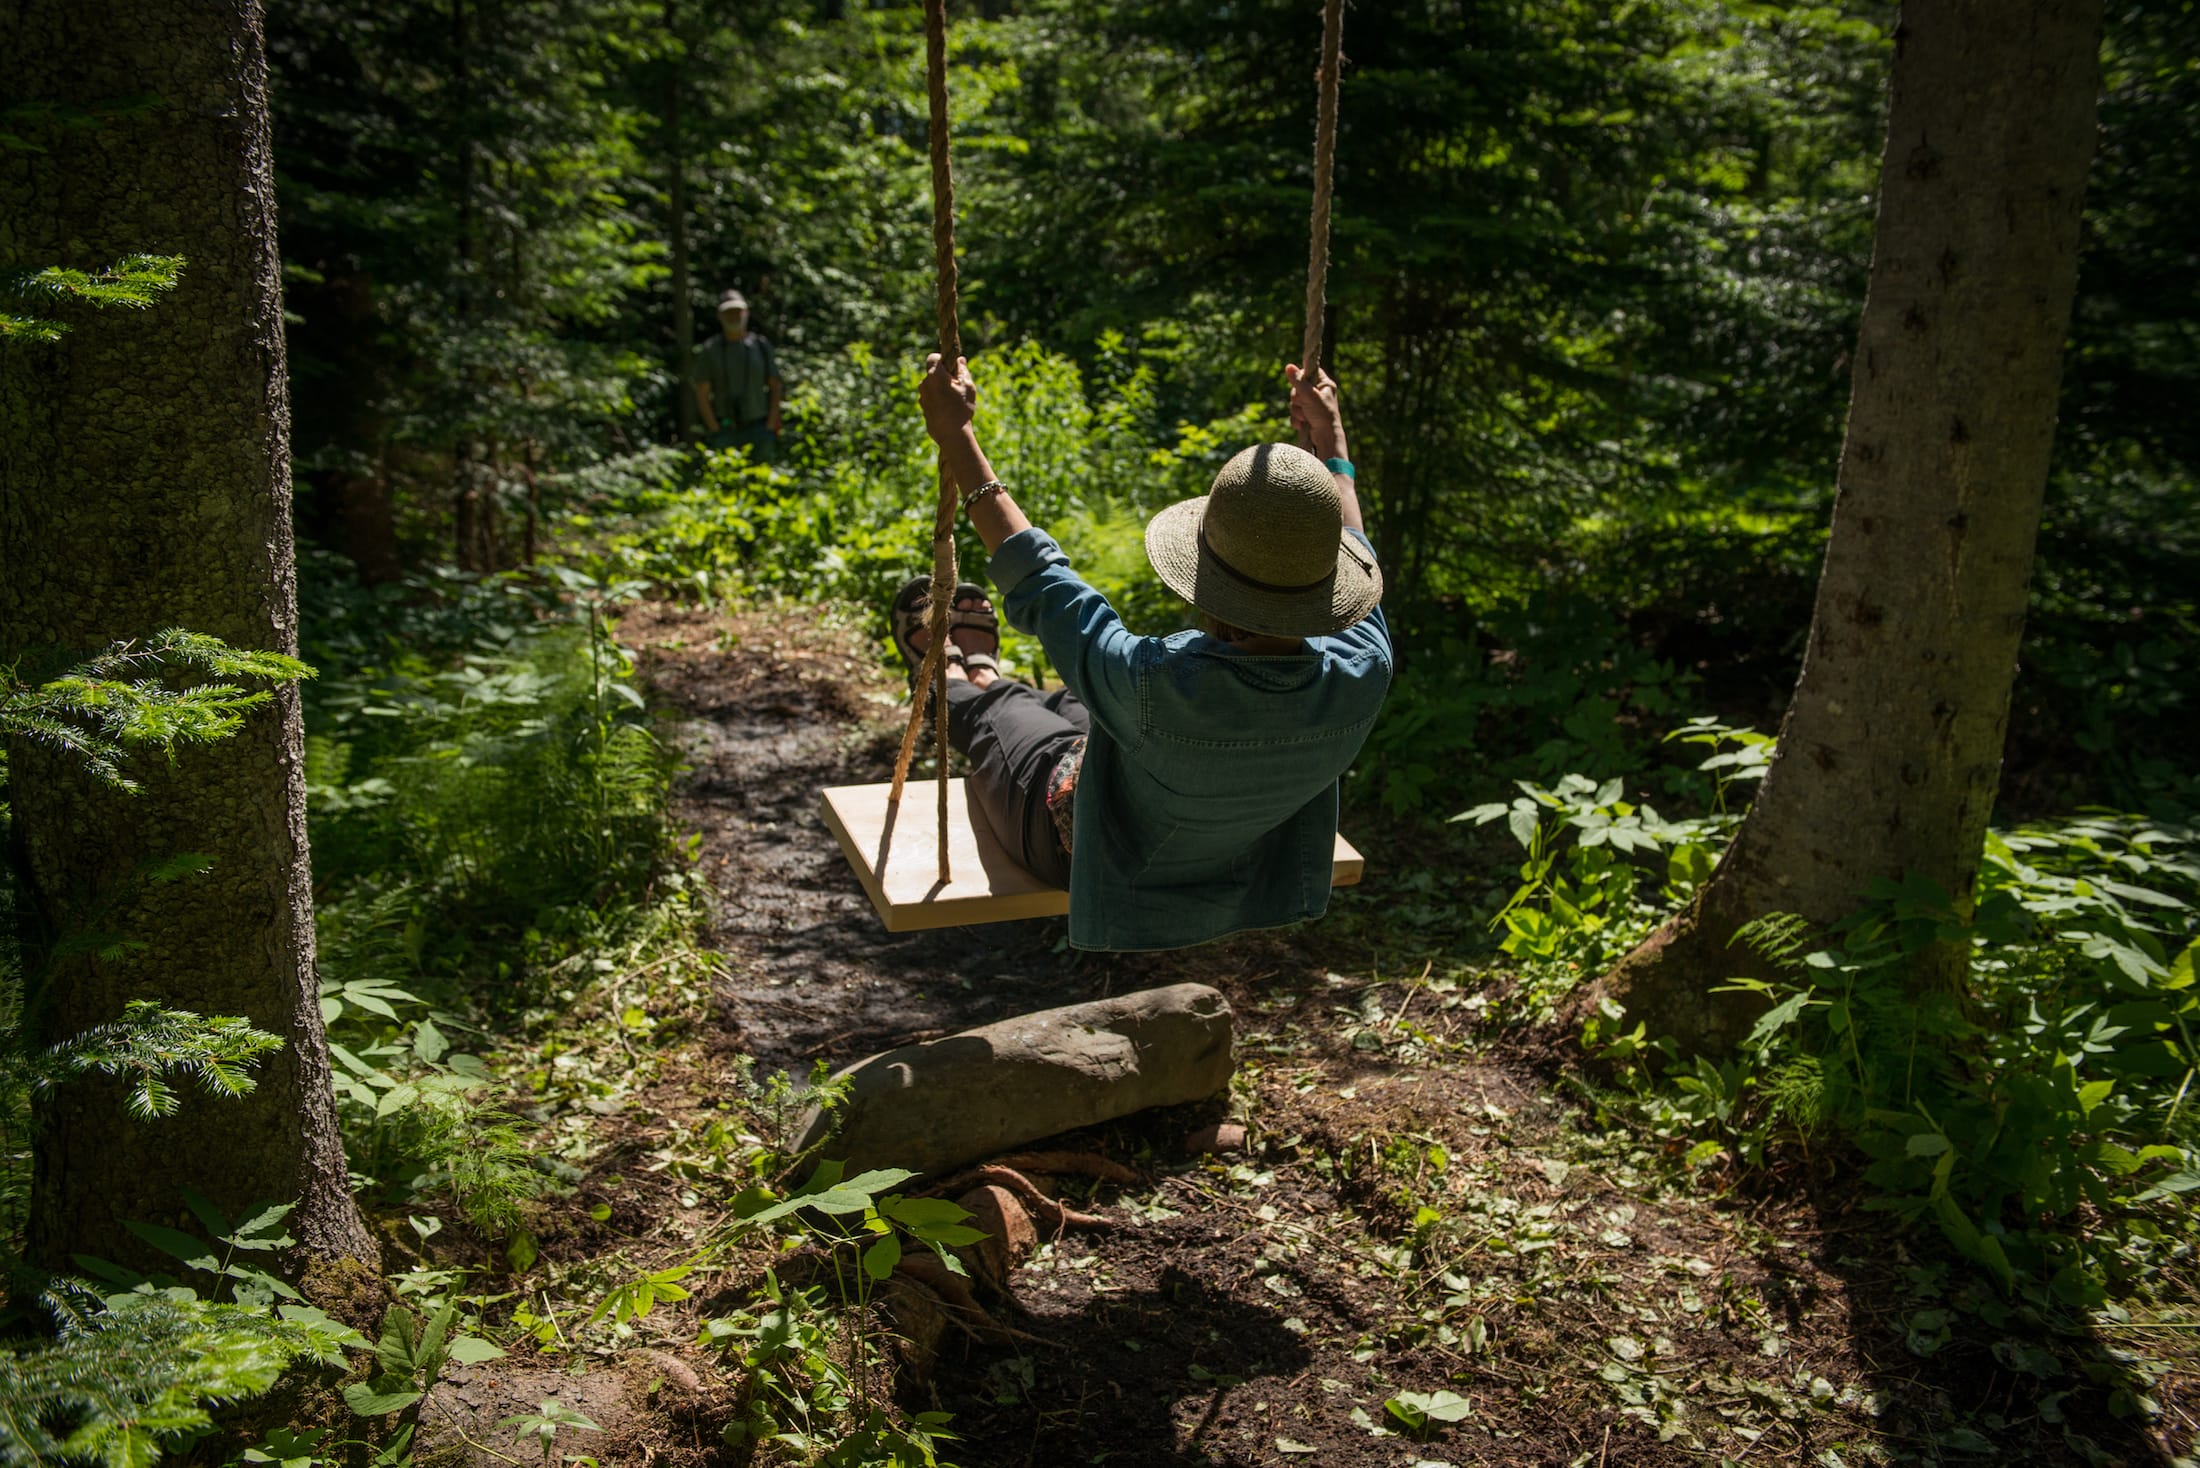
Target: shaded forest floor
x=1420, y=1204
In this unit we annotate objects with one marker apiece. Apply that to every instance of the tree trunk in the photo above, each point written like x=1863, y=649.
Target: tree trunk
x=145, y=483
x=366, y=522
x=676, y=224
x=1891, y=750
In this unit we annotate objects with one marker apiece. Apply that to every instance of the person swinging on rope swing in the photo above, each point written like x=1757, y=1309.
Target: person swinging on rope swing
x=1182, y=788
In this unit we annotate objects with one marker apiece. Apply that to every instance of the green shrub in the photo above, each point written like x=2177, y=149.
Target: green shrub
x=2043, y=1118
x=848, y=516
x=488, y=805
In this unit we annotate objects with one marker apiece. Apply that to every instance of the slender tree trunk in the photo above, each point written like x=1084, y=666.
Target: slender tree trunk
x=145, y=483
x=466, y=518
x=366, y=523
x=676, y=207
x=1891, y=750
x=534, y=504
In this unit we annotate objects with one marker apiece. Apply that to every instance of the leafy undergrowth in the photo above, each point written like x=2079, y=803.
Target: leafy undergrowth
x=1423, y=1252
x=1434, y=1243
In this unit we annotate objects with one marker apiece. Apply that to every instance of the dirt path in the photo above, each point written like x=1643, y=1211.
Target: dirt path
x=765, y=730
x=1412, y=1214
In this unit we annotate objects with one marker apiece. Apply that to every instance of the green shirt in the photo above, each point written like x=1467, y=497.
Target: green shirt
x=739, y=374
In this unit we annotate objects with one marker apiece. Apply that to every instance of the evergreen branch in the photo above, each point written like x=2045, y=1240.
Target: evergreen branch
x=149, y=1044
x=129, y=1375
x=133, y=283
x=28, y=328
x=122, y=698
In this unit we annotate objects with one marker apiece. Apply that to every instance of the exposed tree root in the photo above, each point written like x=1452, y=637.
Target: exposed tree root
x=1049, y=1211
x=1069, y=1164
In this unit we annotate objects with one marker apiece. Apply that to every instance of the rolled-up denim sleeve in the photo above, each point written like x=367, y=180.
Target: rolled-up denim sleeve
x=1097, y=656
x=1370, y=635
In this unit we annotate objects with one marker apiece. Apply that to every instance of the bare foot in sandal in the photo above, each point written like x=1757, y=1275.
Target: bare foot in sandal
x=976, y=635
x=973, y=632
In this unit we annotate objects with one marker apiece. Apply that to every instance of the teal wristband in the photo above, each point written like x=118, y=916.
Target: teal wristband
x=1342, y=466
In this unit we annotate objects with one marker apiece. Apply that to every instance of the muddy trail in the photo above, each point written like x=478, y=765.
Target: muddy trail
x=1410, y=1214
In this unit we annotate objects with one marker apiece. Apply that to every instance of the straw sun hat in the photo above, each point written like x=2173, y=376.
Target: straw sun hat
x=1265, y=548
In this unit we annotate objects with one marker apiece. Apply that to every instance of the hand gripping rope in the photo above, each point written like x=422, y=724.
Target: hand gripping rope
x=1325, y=157
x=932, y=674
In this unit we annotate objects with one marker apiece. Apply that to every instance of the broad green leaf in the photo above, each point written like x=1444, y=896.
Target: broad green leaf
x=428, y=1042
x=396, y=1350
x=365, y=999
x=919, y=1211
x=210, y=1218
x=194, y=1253
x=265, y=1218
x=428, y=1356
x=1779, y=1017
x=955, y=1235
x=879, y=1260
x=380, y=1397
x=472, y=1350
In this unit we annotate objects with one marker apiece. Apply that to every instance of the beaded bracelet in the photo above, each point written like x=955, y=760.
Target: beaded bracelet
x=991, y=486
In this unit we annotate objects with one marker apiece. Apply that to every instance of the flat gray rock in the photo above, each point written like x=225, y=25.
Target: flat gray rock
x=961, y=1098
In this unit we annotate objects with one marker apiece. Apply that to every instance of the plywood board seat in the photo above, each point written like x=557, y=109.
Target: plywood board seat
x=985, y=885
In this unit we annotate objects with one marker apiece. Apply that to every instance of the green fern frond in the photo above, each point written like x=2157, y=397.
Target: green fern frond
x=1780, y=939
x=1795, y=1093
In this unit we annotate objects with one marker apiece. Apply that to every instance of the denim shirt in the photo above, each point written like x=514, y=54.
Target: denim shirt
x=1207, y=804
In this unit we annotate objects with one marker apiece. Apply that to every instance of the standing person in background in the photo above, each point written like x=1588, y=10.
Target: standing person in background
x=737, y=384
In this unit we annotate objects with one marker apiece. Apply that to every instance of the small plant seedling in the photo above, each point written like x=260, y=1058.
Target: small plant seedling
x=287, y=1449
x=259, y=1232
x=544, y=1422
x=1427, y=1413
x=636, y=1298
x=410, y=1359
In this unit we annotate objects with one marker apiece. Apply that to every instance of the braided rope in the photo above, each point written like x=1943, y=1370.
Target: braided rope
x=934, y=672
x=1325, y=157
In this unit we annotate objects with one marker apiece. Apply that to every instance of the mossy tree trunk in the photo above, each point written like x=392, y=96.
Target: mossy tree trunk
x=1891, y=750
x=145, y=483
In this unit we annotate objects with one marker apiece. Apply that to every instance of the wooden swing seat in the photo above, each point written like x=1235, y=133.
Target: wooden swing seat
x=986, y=884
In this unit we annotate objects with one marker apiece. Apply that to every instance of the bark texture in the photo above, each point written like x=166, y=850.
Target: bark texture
x=145, y=483
x=1890, y=753
x=676, y=225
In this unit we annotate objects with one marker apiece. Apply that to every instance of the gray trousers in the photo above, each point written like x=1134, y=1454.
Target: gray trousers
x=1013, y=736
